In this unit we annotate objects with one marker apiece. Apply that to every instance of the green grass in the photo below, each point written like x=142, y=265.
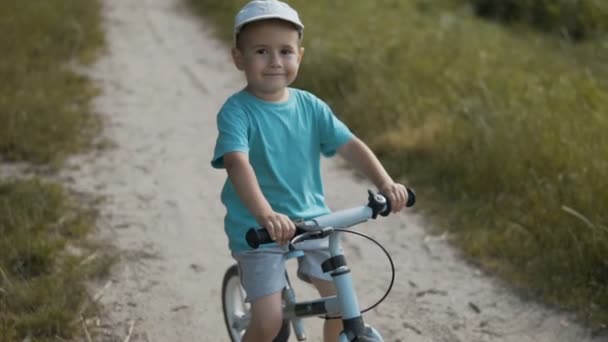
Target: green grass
x=46, y=259
x=500, y=129
x=42, y=281
x=44, y=106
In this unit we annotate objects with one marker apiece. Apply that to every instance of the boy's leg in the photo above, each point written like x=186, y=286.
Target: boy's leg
x=266, y=319
x=262, y=274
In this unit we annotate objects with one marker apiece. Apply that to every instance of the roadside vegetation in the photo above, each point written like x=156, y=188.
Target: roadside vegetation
x=497, y=119
x=45, y=257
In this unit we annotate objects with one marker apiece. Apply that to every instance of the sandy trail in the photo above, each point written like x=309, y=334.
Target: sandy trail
x=163, y=80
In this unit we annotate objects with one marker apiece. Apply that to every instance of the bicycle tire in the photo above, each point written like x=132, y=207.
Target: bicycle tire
x=234, y=306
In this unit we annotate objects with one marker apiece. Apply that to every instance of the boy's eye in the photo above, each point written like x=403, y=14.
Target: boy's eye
x=261, y=51
x=286, y=51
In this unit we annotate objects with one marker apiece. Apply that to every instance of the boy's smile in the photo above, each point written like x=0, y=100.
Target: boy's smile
x=269, y=54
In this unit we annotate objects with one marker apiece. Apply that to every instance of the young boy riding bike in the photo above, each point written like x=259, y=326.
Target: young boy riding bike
x=270, y=140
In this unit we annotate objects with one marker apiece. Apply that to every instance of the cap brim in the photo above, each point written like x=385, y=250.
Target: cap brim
x=264, y=17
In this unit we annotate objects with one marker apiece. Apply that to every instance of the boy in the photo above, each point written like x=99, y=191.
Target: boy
x=270, y=141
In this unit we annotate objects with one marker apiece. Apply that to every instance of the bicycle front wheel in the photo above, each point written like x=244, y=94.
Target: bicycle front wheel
x=237, y=312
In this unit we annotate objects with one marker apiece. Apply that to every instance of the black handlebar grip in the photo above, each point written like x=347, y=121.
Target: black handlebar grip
x=256, y=237
x=411, y=197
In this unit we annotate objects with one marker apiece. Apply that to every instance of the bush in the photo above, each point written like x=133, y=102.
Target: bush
x=575, y=19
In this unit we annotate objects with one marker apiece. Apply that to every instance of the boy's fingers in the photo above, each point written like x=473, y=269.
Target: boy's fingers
x=270, y=229
x=399, y=204
x=280, y=228
x=402, y=197
x=289, y=230
x=289, y=233
x=394, y=199
x=279, y=232
x=278, y=236
x=399, y=199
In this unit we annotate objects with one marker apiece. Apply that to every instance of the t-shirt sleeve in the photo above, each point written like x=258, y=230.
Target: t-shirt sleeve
x=333, y=132
x=232, y=129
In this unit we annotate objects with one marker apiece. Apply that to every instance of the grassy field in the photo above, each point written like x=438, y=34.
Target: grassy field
x=501, y=129
x=43, y=104
x=45, y=257
x=44, y=262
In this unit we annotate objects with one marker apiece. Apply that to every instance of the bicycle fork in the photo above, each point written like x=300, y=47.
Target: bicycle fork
x=345, y=302
x=355, y=328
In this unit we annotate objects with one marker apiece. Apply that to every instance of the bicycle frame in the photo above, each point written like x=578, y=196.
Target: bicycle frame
x=344, y=303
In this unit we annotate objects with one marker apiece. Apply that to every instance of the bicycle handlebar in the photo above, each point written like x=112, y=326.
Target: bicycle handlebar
x=378, y=203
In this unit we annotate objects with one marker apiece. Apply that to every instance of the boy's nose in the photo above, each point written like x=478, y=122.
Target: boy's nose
x=275, y=59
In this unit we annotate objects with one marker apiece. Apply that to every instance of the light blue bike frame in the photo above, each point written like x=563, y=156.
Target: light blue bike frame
x=345, y=302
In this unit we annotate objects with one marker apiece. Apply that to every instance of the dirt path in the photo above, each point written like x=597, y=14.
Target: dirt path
x=163, y=81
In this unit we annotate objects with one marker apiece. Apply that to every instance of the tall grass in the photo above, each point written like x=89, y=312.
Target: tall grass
x=44, y=104
x=45, y=258
x=43, y=261
x=504, y=129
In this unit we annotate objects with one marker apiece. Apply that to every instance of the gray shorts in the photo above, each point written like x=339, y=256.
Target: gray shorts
x=262, y=271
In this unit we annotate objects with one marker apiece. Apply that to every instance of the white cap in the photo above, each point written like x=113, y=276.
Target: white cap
x=266, y=9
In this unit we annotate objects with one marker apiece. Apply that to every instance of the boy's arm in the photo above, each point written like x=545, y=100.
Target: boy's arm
x=242, y=176
x=362, y=157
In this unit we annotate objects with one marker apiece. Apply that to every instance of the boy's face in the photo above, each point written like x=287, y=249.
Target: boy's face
x=269, y=54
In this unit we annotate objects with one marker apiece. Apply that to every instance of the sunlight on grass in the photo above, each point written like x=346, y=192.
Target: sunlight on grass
x=403, y=137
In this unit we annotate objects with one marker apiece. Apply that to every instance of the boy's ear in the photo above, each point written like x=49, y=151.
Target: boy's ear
x=301, y=54
x=237, y=58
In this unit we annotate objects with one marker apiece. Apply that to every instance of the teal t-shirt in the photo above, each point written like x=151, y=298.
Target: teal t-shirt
x=284, y=142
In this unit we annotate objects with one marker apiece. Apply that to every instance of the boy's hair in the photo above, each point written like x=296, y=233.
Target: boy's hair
x=257, y=10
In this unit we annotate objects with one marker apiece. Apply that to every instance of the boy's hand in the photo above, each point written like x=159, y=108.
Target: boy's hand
x=396, y=194
x=280, y=228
